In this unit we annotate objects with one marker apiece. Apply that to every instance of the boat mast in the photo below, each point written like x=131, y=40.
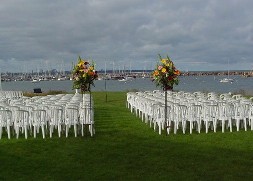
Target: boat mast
x=228, y=68
x=0, y=81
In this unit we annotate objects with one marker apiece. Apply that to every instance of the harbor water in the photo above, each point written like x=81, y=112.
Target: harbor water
x=187, y=83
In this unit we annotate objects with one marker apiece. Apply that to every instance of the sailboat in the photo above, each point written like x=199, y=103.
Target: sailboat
x=227, y=79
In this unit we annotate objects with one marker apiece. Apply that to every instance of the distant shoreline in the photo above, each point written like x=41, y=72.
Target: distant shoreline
x=109, y=74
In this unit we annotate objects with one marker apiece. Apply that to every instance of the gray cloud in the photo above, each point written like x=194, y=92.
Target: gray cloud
x=196, y=34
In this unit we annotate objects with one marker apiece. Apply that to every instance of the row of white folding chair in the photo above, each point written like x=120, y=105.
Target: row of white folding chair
x=223, y=112
x=180, y=114
x=45, y=99
x=222, y=117
x=59, y=115
x=240, y=112
x=83, y=112
x=148, y=108
x=11, y=94
x=24, y=121
x=19, y=121
x=140, y=104
x=177, y=114
x=211, y=115
x=63, y=115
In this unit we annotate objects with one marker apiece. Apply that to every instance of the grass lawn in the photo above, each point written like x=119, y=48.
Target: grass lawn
x=124, y=148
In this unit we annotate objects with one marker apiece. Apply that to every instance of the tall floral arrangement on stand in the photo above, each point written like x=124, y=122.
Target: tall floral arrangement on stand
x=84, y=74
x=166, y=75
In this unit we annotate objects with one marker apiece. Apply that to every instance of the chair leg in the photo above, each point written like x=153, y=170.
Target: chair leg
x=251, y=124
x=223, y=125
x=59, y=131
x=25, y=132
x=175, y=127
x=1, y=130
x=214, y=125
x=75, y=130
x=230, y=124
x=82, y=129
x=199, y=125
x=91, y=130
x=17, y=132
x=34, y=131
x=206, y=126
x=43, y=131
x=245, y=124
x=67, y=130
x=50, y=131
x=8, y=131
x=237, y=124
x=191, y=127
x=160, y=128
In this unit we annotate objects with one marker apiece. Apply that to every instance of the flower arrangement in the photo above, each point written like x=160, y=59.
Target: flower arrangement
x=84, y=75
x=166, y=74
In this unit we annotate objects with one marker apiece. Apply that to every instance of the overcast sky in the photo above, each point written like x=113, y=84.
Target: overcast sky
x=196, y=34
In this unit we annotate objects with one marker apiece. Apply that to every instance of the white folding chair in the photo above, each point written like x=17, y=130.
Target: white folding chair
x=5, y=120
x=21, y=121
x=87, y=118
x=39, y=120
x=55, y=120
x=71, y=119
x=225, y=114
x=195, y=116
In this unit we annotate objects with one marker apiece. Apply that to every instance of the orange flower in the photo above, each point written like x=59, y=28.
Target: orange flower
x=177, y=72
x=156, y=73
x=91, y=73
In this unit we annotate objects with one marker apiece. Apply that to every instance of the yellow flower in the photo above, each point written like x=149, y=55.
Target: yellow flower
x=169, y=64
x=164, y=61
x=91, y=68
x=163, y=70
x=81, y=63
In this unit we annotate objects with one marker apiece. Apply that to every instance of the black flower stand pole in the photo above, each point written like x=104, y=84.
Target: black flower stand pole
x=167, y=126
x=165, y=112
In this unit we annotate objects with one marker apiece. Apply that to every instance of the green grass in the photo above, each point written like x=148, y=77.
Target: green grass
x=51, y=92
x=125, y=148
